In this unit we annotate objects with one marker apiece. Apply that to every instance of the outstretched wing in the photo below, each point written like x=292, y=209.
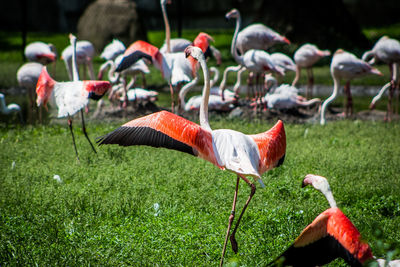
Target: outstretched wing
x=162, y=129
x=331, y=235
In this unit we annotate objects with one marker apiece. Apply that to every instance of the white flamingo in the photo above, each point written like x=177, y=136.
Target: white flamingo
x=255, y=36
x=346, y=66
x=70, y=97
x=386, y=50
x=40, y=52
x=112, y=50
x=84, y=56
x=305, y=57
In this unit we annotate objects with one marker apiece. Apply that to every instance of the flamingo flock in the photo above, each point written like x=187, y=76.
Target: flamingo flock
x=331, y=235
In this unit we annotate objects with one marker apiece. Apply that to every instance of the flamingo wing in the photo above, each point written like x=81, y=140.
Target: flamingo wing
x=162, y=129
x=331, y=235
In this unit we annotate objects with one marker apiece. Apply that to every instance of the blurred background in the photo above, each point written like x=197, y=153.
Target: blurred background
x=329, y=24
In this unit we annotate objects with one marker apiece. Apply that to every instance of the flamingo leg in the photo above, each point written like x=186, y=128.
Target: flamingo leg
x=171, y=89
x=231, y=217
x=349, y=101
x=73, y=137
x=85, y=133
x=310, y=84
x=252, y=192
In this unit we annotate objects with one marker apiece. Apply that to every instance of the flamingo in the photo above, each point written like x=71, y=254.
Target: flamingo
x=331, y=235
x=138, y=67
x=283, y=61
x=346, y=66
x=215, y=102
x=112, y=50
x=70, y=97
x=40, y=52
x=27, y=77
x=245, y=155
x=386, y=50
x=305, y=57
x=174, y=67
x=255, y=36
x=284, y=97
x=84, y=56
x=215, y=90
x=254, y=60
x=10, y=108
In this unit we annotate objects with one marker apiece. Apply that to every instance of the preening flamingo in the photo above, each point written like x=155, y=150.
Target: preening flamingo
x=305, y=57
x=283, y=97
x=174, y=67
x=255, y=36
x=245, y=155
x=84, y=56
x=330, y=236
x=254, y=60
x=346, y=66
x=70, y=97
x=386, y=50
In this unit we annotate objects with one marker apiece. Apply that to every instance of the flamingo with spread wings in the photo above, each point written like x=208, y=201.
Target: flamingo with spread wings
x=245, y=155
x=70, y=97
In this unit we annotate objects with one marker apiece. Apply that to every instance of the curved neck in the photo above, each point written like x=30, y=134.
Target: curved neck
x=185, y=89
x=234, y=39
x=112, y=76
x=216, y=76
x=75, y=73
x=330, y=99
x=328, y=195
x=3, y=105
x=167, y=28
x=206, y=95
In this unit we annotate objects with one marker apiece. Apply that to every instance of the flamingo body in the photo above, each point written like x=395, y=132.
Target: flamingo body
x=70, y=97
x=283, y=61
x=258, y=36
x=112, y=50
x=40, y=52
x=84, y=56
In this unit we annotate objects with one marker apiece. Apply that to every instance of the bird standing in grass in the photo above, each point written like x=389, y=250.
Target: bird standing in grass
x=386, y=50
x=346, y=66
x=70, y=97
x=245, y=155
x=305, y=57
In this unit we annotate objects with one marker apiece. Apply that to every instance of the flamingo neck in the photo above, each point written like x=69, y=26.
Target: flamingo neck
x=167, y=28
x=75, y=73
x=331, y=98
x=206, y=95
x=185, y=89
x=329, y=196
x=234, y=39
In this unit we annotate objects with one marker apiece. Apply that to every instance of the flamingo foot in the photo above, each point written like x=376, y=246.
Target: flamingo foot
x=234, y=243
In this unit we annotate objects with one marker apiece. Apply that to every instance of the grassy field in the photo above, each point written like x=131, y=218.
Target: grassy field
x=104, y=212
x=145, y=206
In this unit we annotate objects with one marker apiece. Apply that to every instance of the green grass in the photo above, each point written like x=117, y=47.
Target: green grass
x=103, y=212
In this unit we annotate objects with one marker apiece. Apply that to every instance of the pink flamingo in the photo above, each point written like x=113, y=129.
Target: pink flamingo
x=305, y=57
x=40, y=52
x=386, y=50
x=70, y=97
x=346, y=66
x=255, y=36
x=254, y=60
x=84, y=56
x=245, y=155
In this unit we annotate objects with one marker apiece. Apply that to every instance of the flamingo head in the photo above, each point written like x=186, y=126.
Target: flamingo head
x=194, y=52
x=234, y=13
x=318, y=182
x=165, y=2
